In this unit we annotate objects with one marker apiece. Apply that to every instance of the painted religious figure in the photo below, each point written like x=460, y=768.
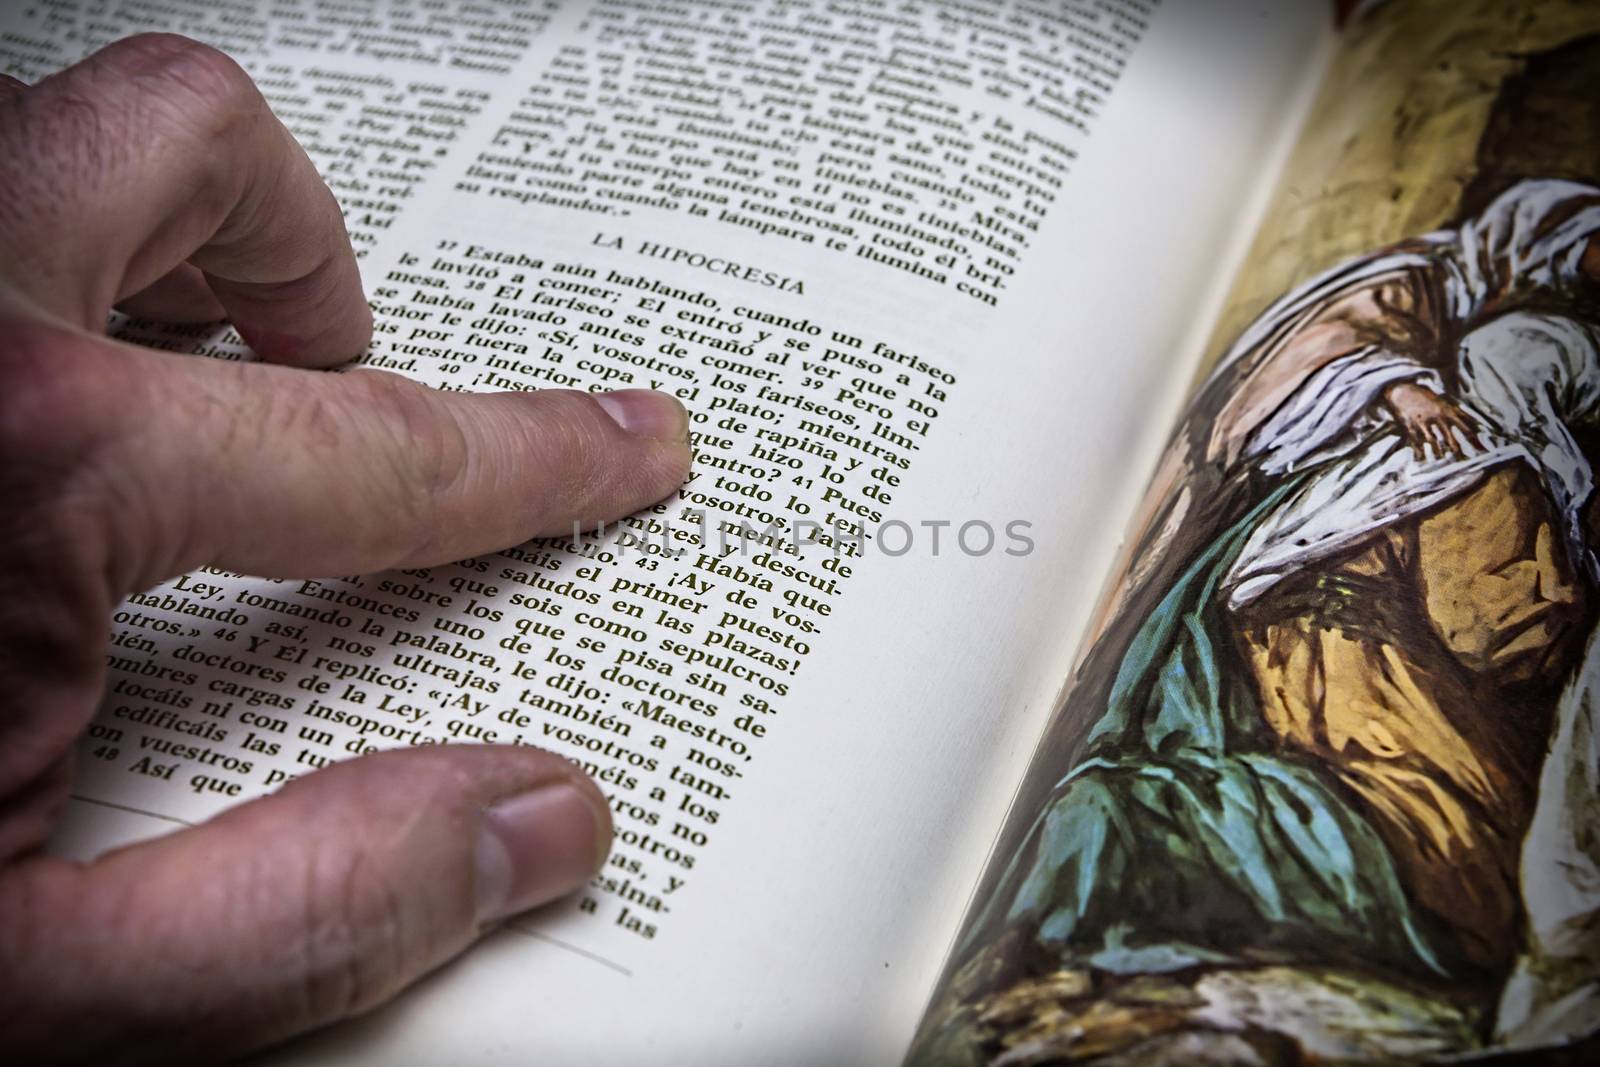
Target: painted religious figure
x=1335, y=790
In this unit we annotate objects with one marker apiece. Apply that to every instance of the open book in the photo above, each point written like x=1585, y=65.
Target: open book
x=1316, y=780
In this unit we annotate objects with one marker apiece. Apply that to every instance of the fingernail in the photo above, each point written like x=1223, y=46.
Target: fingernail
x=535, y=847
x=646, y=413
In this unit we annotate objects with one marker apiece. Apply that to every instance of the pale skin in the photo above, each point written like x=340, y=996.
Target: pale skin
x=152, y=177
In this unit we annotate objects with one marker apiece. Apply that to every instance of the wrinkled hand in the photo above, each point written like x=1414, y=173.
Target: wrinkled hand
x=153, y=177
x=1430, y=422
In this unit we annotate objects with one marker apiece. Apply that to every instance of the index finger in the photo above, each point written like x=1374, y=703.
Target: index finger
x=158, y=150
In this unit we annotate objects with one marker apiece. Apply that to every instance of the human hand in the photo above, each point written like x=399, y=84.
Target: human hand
x=1430, y=421
x=152, y=176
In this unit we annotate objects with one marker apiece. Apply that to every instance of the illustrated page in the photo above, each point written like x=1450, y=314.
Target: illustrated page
x=1324, y=785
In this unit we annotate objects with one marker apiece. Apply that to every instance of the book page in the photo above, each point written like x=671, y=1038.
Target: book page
x=1323, y=788
x=922, y=273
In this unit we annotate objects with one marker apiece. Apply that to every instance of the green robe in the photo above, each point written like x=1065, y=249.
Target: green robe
x=1180, y=837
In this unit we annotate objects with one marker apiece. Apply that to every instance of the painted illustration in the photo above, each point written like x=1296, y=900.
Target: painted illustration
x=1327, y=785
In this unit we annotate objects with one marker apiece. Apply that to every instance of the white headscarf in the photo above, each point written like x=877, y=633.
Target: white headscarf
x=1530, y=239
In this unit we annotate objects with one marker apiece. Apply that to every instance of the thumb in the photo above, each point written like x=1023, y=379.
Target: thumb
x=313, y=904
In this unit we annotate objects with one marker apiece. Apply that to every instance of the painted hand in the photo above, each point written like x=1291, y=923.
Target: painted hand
x=1431, y=422
x=153, y=177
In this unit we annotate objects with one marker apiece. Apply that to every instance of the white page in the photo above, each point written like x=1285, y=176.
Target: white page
x=811, y=927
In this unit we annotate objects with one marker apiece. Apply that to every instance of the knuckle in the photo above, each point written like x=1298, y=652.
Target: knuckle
x=34, y=896
x=57, y=429
x=426, y=448
x=313, y=418
x=184, y=88
x=171, y=60
x=142, y=95
x=54, y=406
x=143, y=52
x=355, y=936
x=571, y=445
